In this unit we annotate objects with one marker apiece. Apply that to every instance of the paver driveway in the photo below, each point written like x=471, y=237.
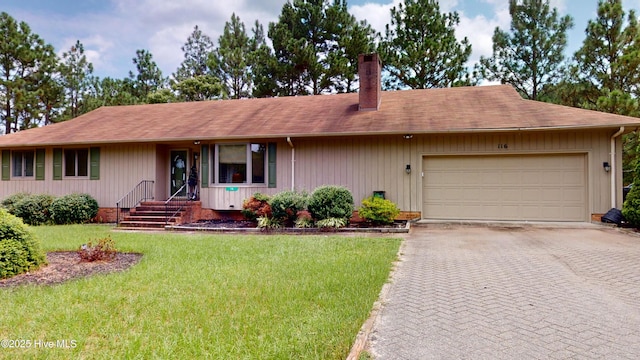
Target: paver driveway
x=463, y=292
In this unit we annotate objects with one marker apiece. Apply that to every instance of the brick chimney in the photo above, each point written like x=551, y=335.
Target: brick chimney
x=369, y=71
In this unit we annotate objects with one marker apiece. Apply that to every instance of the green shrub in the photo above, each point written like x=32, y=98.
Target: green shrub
x=74, y=209
x=631, y=206
x=256, y=206
x=104, y=249
x=285, y=205
x=34, y=209
x=378, y=211
x=19, y=250
x=331, y=202
x=9, y=202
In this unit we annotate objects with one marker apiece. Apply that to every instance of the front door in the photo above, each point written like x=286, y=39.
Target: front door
x=178, y=172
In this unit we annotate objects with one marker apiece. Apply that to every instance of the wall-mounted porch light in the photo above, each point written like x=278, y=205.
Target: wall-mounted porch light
x=408, y=169
x=407, y=137
x=606, y=166
x=196, y=142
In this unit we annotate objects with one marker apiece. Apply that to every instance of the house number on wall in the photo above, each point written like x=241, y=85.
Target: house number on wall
x=503, y=146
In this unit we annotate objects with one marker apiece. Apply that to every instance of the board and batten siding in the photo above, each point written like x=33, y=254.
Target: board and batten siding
x=121, y=168
x=367, y=164
x=361, y=164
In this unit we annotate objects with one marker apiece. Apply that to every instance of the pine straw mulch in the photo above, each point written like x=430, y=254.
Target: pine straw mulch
x=63, y=266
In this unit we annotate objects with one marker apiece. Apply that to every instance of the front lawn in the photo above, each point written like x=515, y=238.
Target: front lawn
x=202, y=296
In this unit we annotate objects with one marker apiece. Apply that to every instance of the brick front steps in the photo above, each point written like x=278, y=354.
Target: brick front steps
x=156, y=215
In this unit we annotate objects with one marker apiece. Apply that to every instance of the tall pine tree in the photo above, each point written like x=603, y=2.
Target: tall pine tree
x=420, y=49
x=530, y=56
x=75, y=73
x=26, y=67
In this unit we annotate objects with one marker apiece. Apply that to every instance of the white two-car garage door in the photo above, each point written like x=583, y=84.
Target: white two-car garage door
x=512, y=187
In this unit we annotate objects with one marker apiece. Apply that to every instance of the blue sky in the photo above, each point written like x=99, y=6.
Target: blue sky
x=112, y=30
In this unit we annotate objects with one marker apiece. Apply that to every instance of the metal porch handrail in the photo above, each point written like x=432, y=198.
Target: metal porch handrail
x=181, y=203
x=141, y=192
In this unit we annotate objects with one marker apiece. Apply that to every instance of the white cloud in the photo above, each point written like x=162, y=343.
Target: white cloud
x=377, y=15
x=163, y=26
x=479, y=29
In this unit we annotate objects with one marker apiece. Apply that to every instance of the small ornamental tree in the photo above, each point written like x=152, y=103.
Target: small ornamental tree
x=19, y=250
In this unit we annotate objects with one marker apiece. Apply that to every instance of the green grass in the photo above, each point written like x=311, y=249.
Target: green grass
x=204, y=296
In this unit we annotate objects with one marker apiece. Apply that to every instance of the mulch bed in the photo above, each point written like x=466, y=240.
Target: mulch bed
x=66, y=265
x=245, y=224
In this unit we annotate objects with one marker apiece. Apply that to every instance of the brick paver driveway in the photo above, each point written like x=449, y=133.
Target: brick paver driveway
x=463, y=292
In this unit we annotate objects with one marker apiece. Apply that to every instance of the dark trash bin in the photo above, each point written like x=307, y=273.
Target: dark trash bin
x=613, y=216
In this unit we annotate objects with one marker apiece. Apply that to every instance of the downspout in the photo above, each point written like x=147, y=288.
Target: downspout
x=614, y=168
x=293, y=164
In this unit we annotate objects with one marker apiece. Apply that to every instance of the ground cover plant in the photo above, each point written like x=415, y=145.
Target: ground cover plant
x=204, y=296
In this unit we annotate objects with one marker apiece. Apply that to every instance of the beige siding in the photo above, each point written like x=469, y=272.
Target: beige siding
x=368, y=164
x=362, y=164
x=121, y=168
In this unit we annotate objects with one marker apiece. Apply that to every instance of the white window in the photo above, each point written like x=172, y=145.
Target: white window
x=23, y=163
x=240, y=163
x=76, y=162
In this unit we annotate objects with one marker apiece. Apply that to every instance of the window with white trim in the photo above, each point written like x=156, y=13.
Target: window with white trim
x=240, y=163
x=76, y=162
x=23, y=163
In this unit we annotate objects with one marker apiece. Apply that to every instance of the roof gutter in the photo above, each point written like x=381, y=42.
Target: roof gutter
x=614, y=169
x=293, y=164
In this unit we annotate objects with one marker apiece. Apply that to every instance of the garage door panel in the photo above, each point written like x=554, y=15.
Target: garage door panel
x=519, y=187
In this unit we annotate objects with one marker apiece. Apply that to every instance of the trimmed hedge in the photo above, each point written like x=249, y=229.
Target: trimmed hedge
x=10, y=202
x=74, y=209
x=330, y=201
x=34, y=209
x=19, y=250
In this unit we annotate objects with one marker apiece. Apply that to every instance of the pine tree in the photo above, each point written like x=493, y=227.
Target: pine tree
x=75, y=72
x=26, y=67
x=420, y=49
x=149, y=76
x=314, y=42
x=231, y=60
x=196, y=51
x=530, y=56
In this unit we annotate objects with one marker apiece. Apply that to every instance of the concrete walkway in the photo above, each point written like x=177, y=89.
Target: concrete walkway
x=478, y=292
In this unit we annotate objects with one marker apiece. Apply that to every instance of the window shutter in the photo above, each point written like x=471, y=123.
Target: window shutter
x=204, y=166
x=94, y=163
x=57, y=164
x=40, y=164
x=6, y=165
x=272, y=164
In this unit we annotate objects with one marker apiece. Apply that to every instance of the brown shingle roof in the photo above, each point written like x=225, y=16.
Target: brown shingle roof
x=465, y=109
